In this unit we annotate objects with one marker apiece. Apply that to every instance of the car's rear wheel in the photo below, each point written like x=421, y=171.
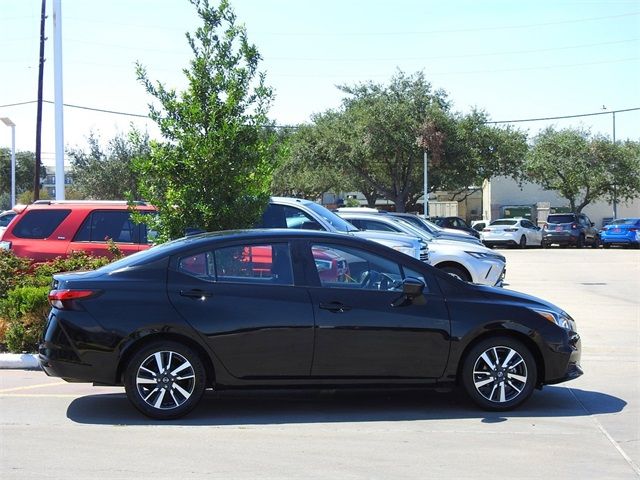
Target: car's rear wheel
x=596, y=242
x=457, y=272
x=499, y=373
x=523, y=242
x=606, y=245
x=165, y=380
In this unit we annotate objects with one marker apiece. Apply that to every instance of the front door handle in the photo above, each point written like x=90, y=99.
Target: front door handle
x=335, y=307
x=196, y=294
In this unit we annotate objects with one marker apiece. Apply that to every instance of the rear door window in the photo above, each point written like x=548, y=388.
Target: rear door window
x=39, y=223
x=102, y=225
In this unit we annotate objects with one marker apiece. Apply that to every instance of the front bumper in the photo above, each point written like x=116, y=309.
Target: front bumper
x=564, y=365
x=487, y=272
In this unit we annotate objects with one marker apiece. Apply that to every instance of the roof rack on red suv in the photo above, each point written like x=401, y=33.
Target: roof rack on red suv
x=47, y=229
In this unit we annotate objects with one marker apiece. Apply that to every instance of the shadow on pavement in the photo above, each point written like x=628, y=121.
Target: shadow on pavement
x=289, y=407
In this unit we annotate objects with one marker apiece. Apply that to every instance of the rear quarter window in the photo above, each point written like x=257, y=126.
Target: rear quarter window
x=39, y=223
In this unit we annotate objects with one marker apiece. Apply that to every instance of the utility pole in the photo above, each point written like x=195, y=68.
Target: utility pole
x=36, y=174
x=57, y=82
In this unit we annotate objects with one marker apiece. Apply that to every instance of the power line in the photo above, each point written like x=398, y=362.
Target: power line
x=522, y=120
x=566, y=116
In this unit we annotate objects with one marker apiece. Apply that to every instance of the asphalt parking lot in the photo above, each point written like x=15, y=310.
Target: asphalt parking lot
x=588, y=428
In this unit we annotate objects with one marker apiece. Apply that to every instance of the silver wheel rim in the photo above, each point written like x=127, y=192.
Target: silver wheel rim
x=500, y=374
x=165, y=380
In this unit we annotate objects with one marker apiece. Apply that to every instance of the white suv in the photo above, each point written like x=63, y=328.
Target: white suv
x=470, y=262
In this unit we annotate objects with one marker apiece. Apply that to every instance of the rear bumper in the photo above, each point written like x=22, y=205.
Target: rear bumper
x=560, y=239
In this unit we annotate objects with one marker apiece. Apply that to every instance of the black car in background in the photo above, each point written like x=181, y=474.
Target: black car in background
x=285, y=308
x=569, y=229
x=456, y=223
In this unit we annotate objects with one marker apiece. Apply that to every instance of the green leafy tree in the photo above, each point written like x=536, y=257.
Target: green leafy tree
x=213, y=169
x=378, y=139
x=106, y=172
x=583, y=168
x=25, y=165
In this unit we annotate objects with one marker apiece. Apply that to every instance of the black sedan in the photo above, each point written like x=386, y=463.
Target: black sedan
x=275, y=308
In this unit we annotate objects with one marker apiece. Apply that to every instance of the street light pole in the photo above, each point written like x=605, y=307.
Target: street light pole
x=9, y=123
x=426, y=186
x=615, y=189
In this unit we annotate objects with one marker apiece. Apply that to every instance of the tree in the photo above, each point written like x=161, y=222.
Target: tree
x=25, y=165
x=377, y=141
x=106, y=173
x=213, y=169
x=583, y=168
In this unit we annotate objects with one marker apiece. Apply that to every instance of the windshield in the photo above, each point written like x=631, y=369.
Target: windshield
x=504, y=222
x=418, y=232
x=336, y=222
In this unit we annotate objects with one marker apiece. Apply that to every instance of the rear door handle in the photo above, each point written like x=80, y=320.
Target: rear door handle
x=335, y=307
x=196, y=294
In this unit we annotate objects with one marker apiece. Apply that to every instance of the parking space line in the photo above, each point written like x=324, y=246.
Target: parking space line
x=617, y=446
x=29, y=387
x=38, y=395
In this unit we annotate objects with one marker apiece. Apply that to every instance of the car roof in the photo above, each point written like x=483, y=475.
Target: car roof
x=82, y=205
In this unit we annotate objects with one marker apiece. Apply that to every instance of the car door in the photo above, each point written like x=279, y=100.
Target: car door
x=533, y=234
x=242, y=300
x=102, y=225
x=359, y=333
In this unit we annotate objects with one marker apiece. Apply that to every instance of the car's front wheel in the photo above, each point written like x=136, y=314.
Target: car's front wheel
x=499, y=373
x=165, y=380
x=457, y=272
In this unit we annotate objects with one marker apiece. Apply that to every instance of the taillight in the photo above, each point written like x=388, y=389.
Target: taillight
x=574, y=226
x=633, y=229
x=64, y=299
x=545, y=226
x=486, y=229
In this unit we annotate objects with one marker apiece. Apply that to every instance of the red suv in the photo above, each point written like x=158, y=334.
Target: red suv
x=48, y=229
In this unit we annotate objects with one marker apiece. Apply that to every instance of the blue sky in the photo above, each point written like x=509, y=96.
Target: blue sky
x=514, y=59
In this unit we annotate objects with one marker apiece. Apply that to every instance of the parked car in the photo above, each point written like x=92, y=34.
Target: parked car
x=569, y=229
x=435, y=230
x=5, y=219
x=516, y=232
x=469, y=262
x=145, y=322
x=622, y=231
x=456, y=223
x=48, y=229
x=298, y=213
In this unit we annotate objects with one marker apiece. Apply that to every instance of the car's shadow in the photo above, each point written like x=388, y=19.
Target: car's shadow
x=288, y=407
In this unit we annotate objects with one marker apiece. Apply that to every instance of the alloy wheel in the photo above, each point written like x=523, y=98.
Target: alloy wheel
x=165, y=380
x=500, y=374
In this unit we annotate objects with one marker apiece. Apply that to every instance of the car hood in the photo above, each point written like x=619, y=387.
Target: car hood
x=453, y=237
x=500, y=294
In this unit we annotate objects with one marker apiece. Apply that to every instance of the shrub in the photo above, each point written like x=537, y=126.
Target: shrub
x=13, y=271
x=24, y=312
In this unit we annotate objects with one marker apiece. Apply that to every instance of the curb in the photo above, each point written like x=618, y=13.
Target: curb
x=25, y=361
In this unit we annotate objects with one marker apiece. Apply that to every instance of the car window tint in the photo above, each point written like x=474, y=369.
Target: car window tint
x=39, y=223
x=555, y=218
x=199, y=265
x=378, y=226
x=296, y=218
x=504, y=222
x=101, y=226
x=254, y=264
x=346, y=267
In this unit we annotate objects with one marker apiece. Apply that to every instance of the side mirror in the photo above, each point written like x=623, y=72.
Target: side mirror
x=593, y=224
x=412, y=287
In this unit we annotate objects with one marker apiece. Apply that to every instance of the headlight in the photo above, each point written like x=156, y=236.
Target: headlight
x=561, y=319
x=406, y=250
x=487, y=256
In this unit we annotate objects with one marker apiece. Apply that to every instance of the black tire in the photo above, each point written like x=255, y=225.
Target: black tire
x=523, y=242
x=457, y=272
x=606, y=245
x=580, y=242
x=161, y=368
x=499, y=388
x=544, y=245
x=596, y=242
